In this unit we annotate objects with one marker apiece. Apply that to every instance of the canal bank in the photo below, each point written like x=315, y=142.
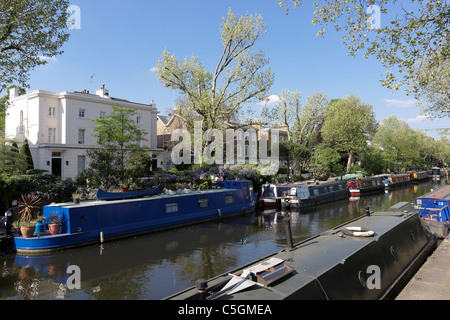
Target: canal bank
x=432, y=280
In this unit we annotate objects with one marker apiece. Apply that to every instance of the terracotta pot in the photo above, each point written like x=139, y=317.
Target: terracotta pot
x=53, y=228
x=124, y=189
x=27, y=232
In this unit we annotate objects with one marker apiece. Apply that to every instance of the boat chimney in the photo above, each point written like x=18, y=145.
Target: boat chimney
x=368, y=211
x=287, y=224
x=201, y=286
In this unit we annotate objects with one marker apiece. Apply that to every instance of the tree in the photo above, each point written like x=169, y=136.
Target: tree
x=349, y=124
x=30, y=32
x=398, y=142
x=11, y=161
x=310, y=119
x=25, y=151
x=240, y=76
x=119, y=137
x=291, y=153
x=411, y=41
x=287, y=111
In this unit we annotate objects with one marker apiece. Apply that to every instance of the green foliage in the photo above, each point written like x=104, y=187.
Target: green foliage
x=349, y=124
x=411, y=42
x=25, y=150
x=47, y=187
x=29, y=31
x=118, y=145
x=240, y=76
x=11, y=161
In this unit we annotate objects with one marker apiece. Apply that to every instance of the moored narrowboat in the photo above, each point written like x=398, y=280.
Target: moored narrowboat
x=436, y=173
x=308, y=195
x=103, y=220
x=271, y=194
x=419, y=176
x=434, y=209
x=396, y=180
x=366, y=185
x=371, y=257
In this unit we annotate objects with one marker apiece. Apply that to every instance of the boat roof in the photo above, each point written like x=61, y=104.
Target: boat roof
x=309, y=259
x=160, y=196
x=442, y=193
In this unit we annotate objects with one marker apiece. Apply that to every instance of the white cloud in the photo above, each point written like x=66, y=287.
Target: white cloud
x=154, y=69
x=48, y=58
x=271, y=100
x=401, y=103
x=419, y=118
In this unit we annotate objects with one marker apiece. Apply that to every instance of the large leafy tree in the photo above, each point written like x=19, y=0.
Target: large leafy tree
x=349, y=124
x=398, y=142
x=30, y=32
x=241, y=76
x=119, y=143
x=410, y=39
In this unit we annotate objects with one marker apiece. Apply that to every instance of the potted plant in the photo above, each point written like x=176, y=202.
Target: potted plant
x=27, y=205
x=123, y=188
x=54, y=224
x=39, y=225
x=76, y=197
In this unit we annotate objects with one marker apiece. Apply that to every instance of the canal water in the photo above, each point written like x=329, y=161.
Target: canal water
x=153, y=266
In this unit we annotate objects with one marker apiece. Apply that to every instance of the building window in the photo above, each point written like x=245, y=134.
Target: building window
x=51, y=112
x=81, y=164
x=81, y=113
x=81, y=135
x=281, y=138
x=138, y=119
x=21, y=122
x=51, y=135
x=102, y=114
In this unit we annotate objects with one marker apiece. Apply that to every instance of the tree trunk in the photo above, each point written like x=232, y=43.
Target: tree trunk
x=349, y=162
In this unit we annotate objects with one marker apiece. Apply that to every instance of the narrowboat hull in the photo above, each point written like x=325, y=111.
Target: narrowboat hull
x=316, y=194
x=365, y=186
x=333, y=265
x=434, y=209
x=273, y=194
x=397, y=180
x=97, y=221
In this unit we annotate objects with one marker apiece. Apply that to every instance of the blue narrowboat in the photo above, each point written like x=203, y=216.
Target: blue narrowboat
x=434, y=209
x=308, y=195
x=102, y=220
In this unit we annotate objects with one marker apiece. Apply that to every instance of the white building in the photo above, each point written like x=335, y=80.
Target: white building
x=58, y=126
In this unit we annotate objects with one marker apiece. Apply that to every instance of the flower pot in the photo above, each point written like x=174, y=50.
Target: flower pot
x=27, y=232
x=124, y=189
x=53, y=228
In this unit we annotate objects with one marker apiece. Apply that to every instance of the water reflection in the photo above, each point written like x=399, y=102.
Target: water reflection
x=156, y=265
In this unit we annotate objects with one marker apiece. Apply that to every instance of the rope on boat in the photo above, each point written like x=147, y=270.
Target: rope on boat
x=358, y=232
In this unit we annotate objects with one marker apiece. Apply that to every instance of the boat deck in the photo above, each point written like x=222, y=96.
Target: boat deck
x=432, y=280
x=442, y=193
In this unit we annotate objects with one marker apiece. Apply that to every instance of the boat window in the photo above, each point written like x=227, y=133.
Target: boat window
x=331, y=188
x=203, y=203
x=229, y=199
x=268, y=191
x=246, y=193
x=171, y=207
x=316, y=192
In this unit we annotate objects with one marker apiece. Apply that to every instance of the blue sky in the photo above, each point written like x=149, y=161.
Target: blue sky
x=119, y=43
